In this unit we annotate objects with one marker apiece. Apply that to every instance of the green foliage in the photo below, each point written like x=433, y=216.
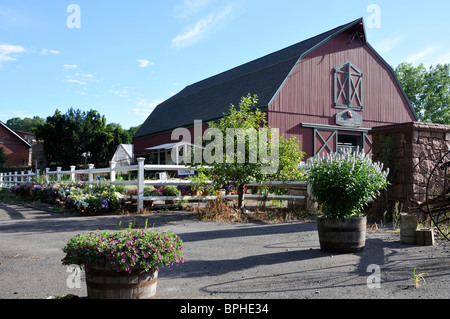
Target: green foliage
x=345, y=183
x=25, y=125
x=242, y=166
x=2, y=158
x=427, y=90
x=79, y=138
x=124, y=250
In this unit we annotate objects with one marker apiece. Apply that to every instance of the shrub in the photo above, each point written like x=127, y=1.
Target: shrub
x=345, y=183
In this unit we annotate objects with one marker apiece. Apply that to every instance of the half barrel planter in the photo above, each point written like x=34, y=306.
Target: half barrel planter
x=104, y=282
x=342, y=235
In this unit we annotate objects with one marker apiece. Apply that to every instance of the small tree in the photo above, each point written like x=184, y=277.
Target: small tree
x=245, y=149
x=3, y=158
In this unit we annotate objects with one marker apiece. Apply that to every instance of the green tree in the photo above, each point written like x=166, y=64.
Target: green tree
x=3, y=158
x=239, y=164
x=427, y=90
x=25, y=125
x=79, y=137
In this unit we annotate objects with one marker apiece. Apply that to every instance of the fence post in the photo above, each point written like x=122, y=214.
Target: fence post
x=112, y=174
x=1, y=180
x=30, y=172
x=58, y=174
x=47, y=170
x=90, y=174
x=72, y=174
x=22, y=176
x=140, y=200
x=15, y=179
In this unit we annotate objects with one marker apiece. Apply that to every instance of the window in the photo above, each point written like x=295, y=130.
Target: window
x=348, y=87
x=348, y=141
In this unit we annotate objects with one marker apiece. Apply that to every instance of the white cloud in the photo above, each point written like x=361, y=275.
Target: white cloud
x=48, y=52
x=144, y=63
x=145, y=106
x=75, y=81
x=194, y=32
x=7, y=52
x=418, y=56
x=388, y=44
x=70, y=66
x=189, y=8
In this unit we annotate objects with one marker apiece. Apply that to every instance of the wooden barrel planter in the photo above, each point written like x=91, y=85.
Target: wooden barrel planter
x=342, y=235
x=103, y=282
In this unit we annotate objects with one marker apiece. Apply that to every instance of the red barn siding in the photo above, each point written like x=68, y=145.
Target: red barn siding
x=308, y=94
x=17, y=152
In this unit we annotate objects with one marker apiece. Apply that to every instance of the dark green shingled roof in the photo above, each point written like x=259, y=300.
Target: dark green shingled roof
x=209, y=99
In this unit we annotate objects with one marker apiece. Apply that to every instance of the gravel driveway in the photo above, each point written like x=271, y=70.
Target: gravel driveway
x=225, y=260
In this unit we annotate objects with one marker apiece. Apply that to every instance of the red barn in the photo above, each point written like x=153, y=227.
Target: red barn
x=328, y=91
x=16, y=148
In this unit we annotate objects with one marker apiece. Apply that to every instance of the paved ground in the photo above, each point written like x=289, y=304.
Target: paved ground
x=224, y=260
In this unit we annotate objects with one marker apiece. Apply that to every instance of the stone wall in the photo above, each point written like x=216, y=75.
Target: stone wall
x=412, y=151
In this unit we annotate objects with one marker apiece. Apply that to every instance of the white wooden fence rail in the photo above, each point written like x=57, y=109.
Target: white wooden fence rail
x=8, y=180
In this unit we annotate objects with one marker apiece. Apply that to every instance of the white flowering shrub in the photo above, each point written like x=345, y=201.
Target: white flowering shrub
x=344, y=183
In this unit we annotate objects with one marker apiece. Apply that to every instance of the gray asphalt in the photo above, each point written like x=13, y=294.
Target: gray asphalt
x=224, y=260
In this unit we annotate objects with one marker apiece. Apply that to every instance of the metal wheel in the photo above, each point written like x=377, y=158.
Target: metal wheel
x=437, y=197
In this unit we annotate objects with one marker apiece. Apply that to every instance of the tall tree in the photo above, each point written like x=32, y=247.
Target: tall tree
x=245, y=149
x=26, y=125
x=427, y=90
x=79, y=138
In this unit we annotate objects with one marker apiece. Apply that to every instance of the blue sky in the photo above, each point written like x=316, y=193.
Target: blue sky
x=122, y=58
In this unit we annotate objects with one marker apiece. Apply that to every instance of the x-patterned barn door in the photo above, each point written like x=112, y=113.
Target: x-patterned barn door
x=348, y=87
x=325, y=141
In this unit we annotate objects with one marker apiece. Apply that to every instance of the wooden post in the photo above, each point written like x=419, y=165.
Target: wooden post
x=58, y=174
x=1, y=180
x=72, y=174
x=15, y=179
x=112, y=174
x=90, y=174
x=140, y=201
x=30, y=173
x=47, y=170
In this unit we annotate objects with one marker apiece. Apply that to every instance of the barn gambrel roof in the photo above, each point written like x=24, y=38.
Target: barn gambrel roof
x=210, y=99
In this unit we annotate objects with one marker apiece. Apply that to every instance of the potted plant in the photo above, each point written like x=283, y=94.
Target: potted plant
x=151, y=192
x=170, y=190
x=123, y=264
x=343, y=184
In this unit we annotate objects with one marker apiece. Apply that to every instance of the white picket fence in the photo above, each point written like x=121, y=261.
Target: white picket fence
x=8, y=180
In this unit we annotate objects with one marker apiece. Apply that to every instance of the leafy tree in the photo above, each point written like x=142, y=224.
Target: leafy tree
x=80, y=137
x=428, y=91
x=25, y=125
x=3, y=158
x=239, y=164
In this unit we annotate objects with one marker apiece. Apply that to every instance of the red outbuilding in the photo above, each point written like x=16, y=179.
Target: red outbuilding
x=16, y=148
x=328, y=91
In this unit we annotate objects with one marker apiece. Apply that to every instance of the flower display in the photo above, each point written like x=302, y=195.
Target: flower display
x=72, y=196
x=125, y=250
